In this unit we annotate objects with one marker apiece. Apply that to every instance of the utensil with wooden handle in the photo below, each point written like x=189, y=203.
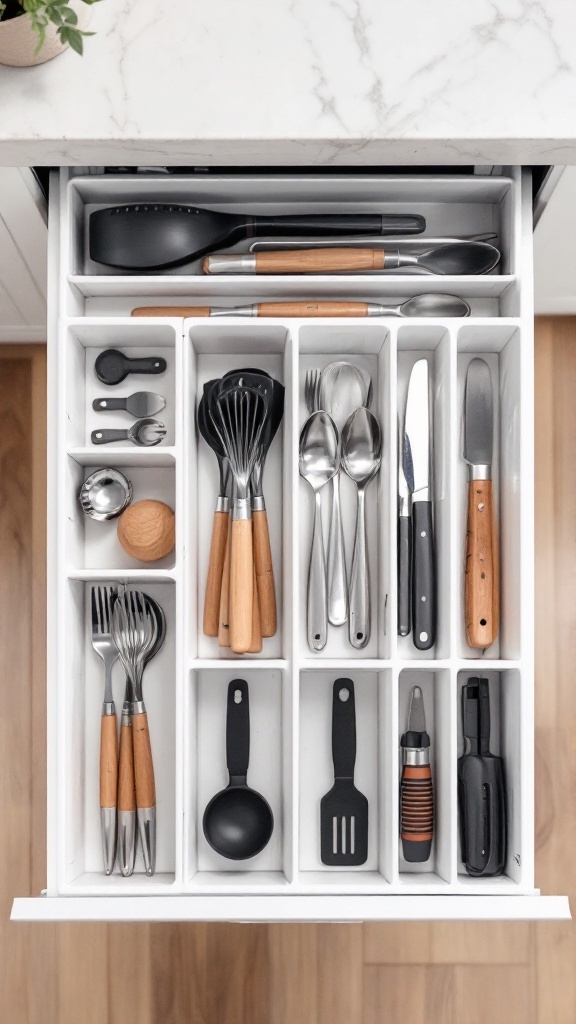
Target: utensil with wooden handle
x=102, y=600
x=218, y=544
x=426, y=305
x=482, y=599
x=455, y=258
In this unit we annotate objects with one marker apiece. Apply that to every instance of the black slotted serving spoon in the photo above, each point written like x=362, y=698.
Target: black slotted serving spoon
x=344, y=810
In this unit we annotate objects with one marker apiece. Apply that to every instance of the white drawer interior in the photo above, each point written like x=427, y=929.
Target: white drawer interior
x=290, y=686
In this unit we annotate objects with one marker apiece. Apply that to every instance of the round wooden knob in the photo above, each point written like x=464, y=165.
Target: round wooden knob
x=146, y=530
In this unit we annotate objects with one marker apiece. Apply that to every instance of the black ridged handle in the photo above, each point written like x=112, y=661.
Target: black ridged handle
x=404, y=569
x=238, y=731
x=340, y=224
x=343, y=729
x=423, y=577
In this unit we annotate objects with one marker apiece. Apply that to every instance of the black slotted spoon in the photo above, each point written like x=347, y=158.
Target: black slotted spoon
x=344, y=810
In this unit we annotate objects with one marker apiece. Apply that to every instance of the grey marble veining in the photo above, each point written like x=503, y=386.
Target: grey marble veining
x=302, y=82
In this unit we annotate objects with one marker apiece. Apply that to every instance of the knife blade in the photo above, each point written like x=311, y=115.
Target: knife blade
x=481, y=602
x=417, y=429
x=405, y=488
x=416, y=791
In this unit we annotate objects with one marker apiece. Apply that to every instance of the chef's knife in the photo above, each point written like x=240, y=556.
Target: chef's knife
x=481, y=585
x=417, y=430
x=405, y=488
x=416, y=792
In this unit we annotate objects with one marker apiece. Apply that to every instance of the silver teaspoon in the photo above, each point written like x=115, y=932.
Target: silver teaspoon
x=361, y=458
x=319, y=461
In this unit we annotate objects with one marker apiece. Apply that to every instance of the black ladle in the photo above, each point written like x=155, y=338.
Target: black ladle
x=155, y=236
x=238, y=821
x=112, y=366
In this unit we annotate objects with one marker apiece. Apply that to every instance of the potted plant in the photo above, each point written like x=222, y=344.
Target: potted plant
x=34, y=31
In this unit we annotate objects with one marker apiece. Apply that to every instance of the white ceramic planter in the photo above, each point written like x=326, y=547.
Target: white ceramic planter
x=18, y=40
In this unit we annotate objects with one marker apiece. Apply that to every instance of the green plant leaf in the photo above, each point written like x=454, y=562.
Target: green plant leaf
x=73, y=37
x=55, y=16
x=70, y=16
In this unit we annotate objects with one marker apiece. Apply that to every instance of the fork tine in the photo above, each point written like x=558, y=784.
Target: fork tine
x=94, y=609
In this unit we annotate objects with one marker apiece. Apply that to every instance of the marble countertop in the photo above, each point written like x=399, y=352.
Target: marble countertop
x=334, y=82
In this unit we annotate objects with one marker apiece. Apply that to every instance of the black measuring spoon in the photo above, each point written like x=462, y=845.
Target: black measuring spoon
x=238, y=821
x=112, y=366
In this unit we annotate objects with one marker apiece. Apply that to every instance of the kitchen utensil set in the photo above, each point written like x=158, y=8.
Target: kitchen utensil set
x=416, y=566
x=238, y=417
x=337, y=398
x=112, y=367
x=129, y=625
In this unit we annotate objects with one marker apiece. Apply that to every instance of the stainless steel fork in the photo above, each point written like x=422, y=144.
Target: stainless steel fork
x=101, y=605
x=312, y=390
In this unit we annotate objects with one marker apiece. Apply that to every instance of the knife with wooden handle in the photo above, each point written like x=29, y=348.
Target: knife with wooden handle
x=482, y=599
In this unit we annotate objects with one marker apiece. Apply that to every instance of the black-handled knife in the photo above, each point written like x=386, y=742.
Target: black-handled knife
x=417, y=441
x=405, y=487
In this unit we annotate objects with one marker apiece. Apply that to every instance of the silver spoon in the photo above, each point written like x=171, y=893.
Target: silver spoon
x=343, y=387
x=428, y=304
x=319, y=461
x=145, y=433
x=361, y=458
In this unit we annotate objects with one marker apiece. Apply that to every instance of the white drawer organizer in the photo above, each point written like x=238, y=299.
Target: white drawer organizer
x=290, y=687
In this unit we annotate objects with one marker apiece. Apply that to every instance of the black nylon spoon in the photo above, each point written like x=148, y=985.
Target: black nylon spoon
x=112, y=366
x=238, y=821
x=156, y=236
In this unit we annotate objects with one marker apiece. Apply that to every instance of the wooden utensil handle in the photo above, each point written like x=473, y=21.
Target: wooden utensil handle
x=241, y=585
x=312, y=309
x=256, y=644
x=171, y=311
x=143, y=766
x=108, y=761
x=264, y=573
x=224, y=616
x=317, y=261
x=215, y=569
x=482, y=599
x=126, y=784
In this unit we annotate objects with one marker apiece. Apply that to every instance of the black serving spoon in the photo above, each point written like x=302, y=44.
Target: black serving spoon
x=156, y=236
x=238, y=821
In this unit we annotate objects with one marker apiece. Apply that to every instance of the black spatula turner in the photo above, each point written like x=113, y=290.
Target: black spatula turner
x=344, y=810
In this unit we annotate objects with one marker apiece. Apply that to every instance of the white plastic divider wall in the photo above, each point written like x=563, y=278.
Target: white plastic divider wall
x=290, y=686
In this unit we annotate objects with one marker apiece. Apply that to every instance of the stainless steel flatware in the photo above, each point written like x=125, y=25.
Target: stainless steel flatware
x=141, y=403
x=319, y=461
x=454, y=258
x=482, y=600
x=105, y=494
x=361, y=458
x=343, y=388
x=144, y=433
x=416, y=466
x=426, y=305
x=403, y=242
x=135, y=631
x=102, y=600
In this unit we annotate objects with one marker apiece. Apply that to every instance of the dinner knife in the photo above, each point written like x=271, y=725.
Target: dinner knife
x=417, y=430
x=481, y=601
x=405, y=488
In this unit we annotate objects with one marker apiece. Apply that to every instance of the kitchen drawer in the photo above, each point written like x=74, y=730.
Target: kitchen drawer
x=290, y=686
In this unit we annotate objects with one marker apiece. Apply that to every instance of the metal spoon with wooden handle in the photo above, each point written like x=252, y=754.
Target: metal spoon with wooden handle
x=482, y=586
x=429, y=304
x=454, y=258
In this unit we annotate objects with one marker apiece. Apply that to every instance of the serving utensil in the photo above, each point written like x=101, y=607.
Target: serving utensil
x=145, y=433
x=112, y=366
x=101, y=601
x=238, y=822
x=481, y=581
x=319, y=462
x=416, y=792
x=134, y=631
x=142, y=403
x=156, y=236
x=218, y=543
x=344, y=810
x=455, y=258
x=361, y=458
x=426, y=305
x=105, y=494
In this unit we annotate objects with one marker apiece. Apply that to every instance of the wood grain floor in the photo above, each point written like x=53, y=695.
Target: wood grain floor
x=451, y=973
